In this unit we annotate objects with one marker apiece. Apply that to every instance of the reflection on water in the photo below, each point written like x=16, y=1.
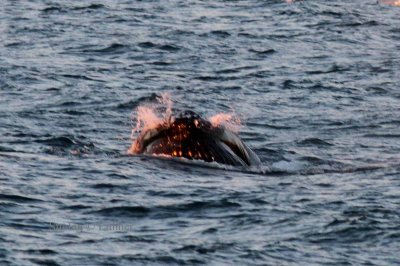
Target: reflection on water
x=315, y=84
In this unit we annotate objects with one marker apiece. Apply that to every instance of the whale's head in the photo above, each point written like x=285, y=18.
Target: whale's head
x=192, y=137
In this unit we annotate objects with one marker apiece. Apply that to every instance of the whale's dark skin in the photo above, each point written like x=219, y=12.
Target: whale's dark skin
x=195, y=138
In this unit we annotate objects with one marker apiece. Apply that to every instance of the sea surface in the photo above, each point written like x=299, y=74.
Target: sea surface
x=315, y=84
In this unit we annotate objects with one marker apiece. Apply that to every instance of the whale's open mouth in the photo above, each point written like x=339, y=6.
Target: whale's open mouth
x=192, y=137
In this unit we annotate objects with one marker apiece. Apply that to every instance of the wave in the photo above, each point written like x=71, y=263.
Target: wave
x=18, y=198
x=167, y=210
x=165, y=47
x=65, y=9
x=314, y=142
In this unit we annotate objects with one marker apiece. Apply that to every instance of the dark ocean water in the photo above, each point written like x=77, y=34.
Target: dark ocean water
x=316, y=85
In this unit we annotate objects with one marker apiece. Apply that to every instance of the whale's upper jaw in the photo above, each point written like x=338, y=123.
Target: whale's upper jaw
x=192, y=137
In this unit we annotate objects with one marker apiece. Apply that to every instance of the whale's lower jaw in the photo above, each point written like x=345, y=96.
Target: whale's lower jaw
x=194, y=138
x=206, y=149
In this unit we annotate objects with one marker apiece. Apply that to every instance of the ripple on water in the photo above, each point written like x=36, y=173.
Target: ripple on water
x=314, y=83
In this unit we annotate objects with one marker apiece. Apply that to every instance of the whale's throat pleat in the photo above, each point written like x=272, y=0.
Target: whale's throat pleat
x=201, y=147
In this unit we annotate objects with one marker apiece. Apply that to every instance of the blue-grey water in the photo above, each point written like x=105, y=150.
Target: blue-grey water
x=316, y=85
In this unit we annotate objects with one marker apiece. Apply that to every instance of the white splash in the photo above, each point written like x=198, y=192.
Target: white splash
x=228, y=120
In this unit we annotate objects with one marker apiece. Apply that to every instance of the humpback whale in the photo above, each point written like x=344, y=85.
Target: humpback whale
x=192, y=137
